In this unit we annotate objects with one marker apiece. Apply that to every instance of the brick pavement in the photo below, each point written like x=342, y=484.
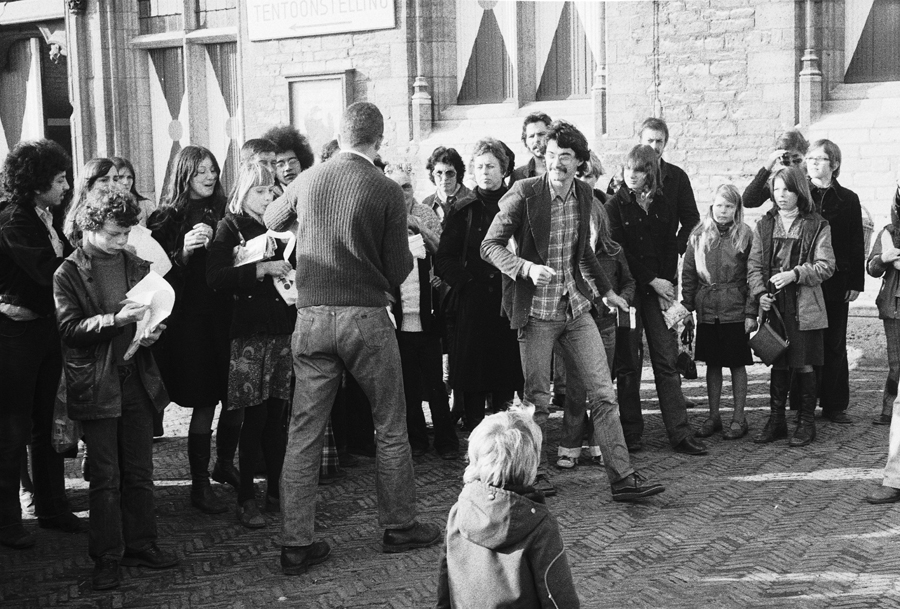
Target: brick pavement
x=746, y=526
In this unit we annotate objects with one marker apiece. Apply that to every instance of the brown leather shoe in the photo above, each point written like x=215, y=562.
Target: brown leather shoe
x=296, y=560
x=16, y=537
x=884, y=494
x=419, y=535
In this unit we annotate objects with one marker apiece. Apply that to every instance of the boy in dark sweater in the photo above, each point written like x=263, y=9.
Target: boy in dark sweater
x=114, y=397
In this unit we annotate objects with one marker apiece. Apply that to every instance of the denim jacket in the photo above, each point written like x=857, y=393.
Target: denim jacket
x=93, y=389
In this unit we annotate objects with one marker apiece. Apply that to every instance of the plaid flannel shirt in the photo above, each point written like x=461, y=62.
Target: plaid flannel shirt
x=553, y=300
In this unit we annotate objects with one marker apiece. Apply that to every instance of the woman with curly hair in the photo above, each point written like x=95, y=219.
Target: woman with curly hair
x=194, y=351
x=32, y=246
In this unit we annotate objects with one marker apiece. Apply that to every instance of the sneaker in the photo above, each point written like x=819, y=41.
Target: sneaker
x=566, y=462
x=152, y=557
x=542, y=483
x=106, y=574
x=296, y=560
x=249, y=516
x=634, y=487
x=419, y=535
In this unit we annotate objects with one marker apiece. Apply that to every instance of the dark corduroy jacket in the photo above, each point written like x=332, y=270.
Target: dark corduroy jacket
x=525, y=216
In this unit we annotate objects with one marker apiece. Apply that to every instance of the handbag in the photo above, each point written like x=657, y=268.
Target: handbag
x=685, y=363
x=767, y=343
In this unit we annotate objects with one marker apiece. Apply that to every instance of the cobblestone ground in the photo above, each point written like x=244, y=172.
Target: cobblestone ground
x=745, y=526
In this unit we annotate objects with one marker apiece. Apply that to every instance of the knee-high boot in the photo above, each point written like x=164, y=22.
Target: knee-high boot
x=228, y=434
x=776, y=426
x=806, y=428
x=202, y=496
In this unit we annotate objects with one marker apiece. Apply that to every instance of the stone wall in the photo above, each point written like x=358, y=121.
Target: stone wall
x=724, y=81
x=381, y=60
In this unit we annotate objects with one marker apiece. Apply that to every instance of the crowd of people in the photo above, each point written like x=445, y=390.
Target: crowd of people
x=321, y=304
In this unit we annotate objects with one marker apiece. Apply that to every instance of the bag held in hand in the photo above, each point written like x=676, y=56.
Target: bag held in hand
x=767, y=343
x=685, y=363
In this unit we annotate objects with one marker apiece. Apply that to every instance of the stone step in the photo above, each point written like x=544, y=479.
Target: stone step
x=873, y=90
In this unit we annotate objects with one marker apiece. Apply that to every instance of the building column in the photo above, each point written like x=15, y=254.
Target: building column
x=595, y=17
x=422, y=106
x=811, y=74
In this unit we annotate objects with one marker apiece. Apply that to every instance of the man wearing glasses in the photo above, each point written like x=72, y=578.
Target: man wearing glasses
x=294, y=153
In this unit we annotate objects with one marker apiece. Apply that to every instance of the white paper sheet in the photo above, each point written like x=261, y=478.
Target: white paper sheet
x=156, y=292
x=148, y=248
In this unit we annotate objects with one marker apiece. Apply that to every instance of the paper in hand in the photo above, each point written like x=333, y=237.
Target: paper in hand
x=674, y=314
x=155, y=292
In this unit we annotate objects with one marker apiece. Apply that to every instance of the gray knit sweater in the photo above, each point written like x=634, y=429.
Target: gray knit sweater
x=352, y=247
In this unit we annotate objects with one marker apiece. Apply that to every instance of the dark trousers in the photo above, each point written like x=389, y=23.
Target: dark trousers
x=422, y=365
x=834, y=375
x=663, y=348
x=121, y=493
x=262, y=429
x=30, y=368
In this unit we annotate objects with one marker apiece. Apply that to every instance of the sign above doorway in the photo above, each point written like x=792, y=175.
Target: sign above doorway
x=270, y=19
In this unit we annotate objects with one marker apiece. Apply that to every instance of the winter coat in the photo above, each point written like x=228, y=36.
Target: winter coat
x=648, y=237
x=503, y=549
x=816, y=264
x=93, y=389
x=721, y=292
x=888, y=299
x=258, y=308
x=484, y=351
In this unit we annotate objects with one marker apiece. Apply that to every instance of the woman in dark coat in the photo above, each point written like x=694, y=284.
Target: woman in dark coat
x=194, y=351
x=484, y=351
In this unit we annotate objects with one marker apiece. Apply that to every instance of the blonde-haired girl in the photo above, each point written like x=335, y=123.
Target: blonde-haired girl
x=714, y=284
x=259, y=380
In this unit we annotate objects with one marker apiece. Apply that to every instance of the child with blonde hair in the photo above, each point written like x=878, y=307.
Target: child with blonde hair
x=714, y=284
x=503, y=546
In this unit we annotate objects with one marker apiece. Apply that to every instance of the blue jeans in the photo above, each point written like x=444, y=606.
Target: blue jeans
x=663, y=347
x=121, y=494
x=30, y=369
x=575, y=423
x=326, y=340
x=584, y=356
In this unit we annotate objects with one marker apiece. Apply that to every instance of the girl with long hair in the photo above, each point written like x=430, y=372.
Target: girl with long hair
x=96, y=171
x=714, y=285
x=259, y=381
x=127, y=178
x=194, y=350
x=790, y=257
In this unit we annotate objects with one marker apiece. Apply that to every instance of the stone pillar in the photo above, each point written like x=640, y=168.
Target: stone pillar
x=811, y=74
x=596, y=17
x=422, y=107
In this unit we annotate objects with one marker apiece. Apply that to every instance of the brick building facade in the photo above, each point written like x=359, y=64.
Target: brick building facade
x=149, y=76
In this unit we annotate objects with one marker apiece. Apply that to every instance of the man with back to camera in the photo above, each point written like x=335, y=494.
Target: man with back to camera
x=352, y=249
x=549, y=301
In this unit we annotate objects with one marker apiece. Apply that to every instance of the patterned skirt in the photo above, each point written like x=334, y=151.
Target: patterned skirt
x=261, y=368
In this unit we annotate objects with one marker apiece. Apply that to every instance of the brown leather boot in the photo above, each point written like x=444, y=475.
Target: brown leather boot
x=806, y=428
